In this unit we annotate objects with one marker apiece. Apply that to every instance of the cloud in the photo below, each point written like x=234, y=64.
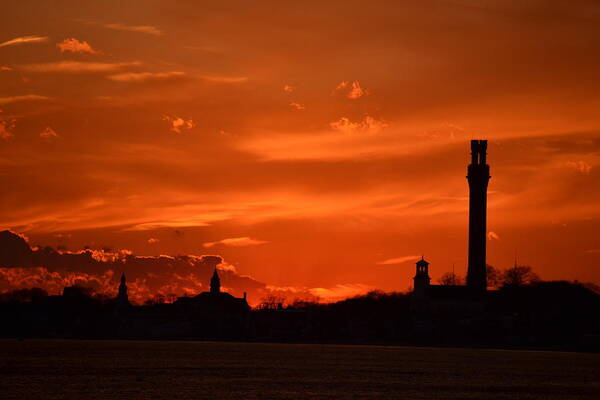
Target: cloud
x=352, y=90
x=297, y=106
x=367, y=125
x=75, y=46
x=7, y=124
x=5, y=68
x=398, y=260
x=24, y=40
x=49, y=134
x=583, y=167
x=27, y=97
x=356, y=91
x=24, y=267
x=153, y=240
x=236, y=242
x=341, y=291
x=593, y=251
x=493, y=236
x=5, y=130
x=288, y=88
x=225, y=79
x=342, y=85
x=77, y=66
x=147, y=29
x=137, y=77
x=178, y=124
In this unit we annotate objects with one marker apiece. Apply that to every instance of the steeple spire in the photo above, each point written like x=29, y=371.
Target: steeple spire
x=123, y=297
x=215, y=282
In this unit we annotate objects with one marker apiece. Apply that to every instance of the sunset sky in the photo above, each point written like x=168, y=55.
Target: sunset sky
x=317, y=146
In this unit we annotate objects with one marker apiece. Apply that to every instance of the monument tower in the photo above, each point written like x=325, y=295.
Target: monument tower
x=478, y=177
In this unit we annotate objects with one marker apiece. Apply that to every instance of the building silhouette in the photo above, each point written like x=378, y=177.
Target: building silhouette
x=215, y=282
x=478, y=177
x=430, y=298
x=122, y=296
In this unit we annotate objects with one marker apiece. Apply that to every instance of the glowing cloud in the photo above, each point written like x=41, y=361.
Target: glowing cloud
x=77, y=66
x=298, y=106
x=340, y=291
x=368, y=125
x=75, y=46
x=49, y=134
x=5, y=127
x=236, y=242
x=493, y=236
x=225, y=79
x=153, y=240
x=352, y=90
x=583, y=167
x=288, y=88
x=178, y=124
x=398, y=260
x=147, y=29
x=24, y=40
x=137, y=77
x=27, y=97
x=356, y=91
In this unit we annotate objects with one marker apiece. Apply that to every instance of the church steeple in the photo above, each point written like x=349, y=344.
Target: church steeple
x=123, y=297
x=215, y=282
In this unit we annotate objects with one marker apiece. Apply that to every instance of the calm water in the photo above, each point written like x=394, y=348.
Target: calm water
x=73, y=369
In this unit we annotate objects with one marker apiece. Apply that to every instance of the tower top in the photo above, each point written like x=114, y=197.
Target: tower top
x=478, y=152
x=422, y=262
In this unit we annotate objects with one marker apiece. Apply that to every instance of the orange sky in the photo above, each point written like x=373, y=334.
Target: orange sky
x=311, y=145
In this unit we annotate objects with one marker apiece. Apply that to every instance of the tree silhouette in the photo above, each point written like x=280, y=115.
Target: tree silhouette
x=494, y=276
x=450, y=279
x=519, y=275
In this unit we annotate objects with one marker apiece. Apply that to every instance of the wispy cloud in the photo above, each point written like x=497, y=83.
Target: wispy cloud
x=297, y=106
x=225, y=79
x=236, y=242
x=24, y=40
x=147, y=29
x=341, y=291
x=75, y=46
x=351, y=90
x=78, y=66
x=177, y=124
x=288, y=88
x=398, y=260
x=27, y=97
x=581, y=166
x=49, y=134
x=493, y=236
x=137, y=77
x=367, y=125
x=6, y=126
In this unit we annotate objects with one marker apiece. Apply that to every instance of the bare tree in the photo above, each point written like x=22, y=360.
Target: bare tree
x=450, y=279
x=494, y=276
x=519, y=275
x=271, y=302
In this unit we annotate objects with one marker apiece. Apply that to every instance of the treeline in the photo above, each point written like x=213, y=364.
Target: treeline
x=523, y=311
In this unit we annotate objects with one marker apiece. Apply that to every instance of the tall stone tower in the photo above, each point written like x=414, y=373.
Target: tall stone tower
x=478, y=177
